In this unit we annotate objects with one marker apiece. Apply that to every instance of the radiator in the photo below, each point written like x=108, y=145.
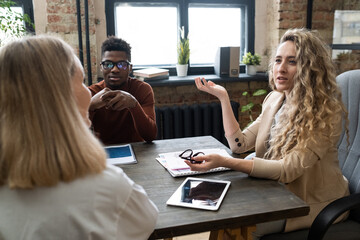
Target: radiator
x=192, y=120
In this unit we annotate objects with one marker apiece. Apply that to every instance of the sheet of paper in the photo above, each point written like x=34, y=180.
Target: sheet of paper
x=174, y=162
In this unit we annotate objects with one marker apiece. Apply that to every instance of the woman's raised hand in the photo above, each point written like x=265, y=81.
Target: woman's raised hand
x=211, y=88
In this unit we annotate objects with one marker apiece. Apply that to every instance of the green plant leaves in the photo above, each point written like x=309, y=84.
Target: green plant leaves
x=183, y=49
x=12, y=22
x=260, y=92
x=250, y=59
x=247, y=107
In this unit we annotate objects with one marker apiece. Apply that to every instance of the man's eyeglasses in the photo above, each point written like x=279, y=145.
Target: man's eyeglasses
x=188, y=155
x=121, y=65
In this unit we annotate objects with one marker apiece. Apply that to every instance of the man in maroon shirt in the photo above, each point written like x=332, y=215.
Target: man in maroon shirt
x=122, y=108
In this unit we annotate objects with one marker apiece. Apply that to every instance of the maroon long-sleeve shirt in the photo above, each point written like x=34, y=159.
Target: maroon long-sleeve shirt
x=129, y=125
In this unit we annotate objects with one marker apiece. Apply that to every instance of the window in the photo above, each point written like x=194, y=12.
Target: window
x=24, y=7
x=5, y=36
x=19, y=7
x=346, y=39
x=153, y=39
x=206, y=38
x=152, y=29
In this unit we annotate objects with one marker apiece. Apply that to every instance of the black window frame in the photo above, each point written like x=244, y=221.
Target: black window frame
x=336, y=46
x=249, y=41
x=28, y=9
x=350, y=46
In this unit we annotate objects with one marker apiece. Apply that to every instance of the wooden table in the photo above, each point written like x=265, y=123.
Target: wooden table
x=249, y=200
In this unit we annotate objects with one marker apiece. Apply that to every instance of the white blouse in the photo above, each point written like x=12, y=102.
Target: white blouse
x=103, y=206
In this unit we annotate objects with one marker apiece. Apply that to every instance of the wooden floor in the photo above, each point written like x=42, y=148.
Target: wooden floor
x=199, y=236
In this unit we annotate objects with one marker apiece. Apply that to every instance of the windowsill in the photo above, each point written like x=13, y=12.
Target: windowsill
x=189, y=80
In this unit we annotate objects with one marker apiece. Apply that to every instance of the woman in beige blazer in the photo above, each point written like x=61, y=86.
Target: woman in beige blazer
x=295, y=137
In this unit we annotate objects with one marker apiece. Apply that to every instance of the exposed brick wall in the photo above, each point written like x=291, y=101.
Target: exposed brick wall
x=323, y=21
x=292, y=14
x=189, y=94
x=62, y=22
x=281, y=15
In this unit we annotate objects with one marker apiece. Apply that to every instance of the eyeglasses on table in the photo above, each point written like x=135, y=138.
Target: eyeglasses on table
x=188, y=154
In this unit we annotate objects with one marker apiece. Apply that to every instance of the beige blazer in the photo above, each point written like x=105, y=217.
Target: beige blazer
x=313, y=173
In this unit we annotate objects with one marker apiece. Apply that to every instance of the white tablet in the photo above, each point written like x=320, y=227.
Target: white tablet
x=200, y=193
x=120, y=154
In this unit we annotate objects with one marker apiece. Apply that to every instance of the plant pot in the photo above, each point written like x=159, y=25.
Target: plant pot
x=181, y=70
x=250, y=69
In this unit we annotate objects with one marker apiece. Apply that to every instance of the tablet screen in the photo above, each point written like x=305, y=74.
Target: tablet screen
x=200, y=193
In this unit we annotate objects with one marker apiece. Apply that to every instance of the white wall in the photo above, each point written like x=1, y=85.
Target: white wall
x=40, y=16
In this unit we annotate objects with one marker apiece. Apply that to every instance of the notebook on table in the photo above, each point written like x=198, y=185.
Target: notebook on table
x=120, y=154
x=176, y=166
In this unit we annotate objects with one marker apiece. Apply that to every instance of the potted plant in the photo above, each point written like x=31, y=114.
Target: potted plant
x=251, y=61
x=183, y=51
x=12, y=23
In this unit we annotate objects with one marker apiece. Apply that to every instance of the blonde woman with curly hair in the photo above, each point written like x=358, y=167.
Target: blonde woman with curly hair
x=54, y=181
x=295, y=137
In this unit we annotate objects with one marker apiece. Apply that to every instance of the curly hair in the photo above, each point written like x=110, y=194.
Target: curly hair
x=314, y=104
x=116, y=44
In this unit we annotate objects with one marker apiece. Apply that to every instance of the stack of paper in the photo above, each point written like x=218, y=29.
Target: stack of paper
x=177, y=167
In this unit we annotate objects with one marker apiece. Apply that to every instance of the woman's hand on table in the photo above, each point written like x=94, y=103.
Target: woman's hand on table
x=205, y=162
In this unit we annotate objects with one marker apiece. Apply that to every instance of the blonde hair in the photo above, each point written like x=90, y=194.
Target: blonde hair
x=43, y=137
x=314, y=104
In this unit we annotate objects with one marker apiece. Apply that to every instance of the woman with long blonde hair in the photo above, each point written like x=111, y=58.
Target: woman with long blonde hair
x=295, y=137
x=54, y=181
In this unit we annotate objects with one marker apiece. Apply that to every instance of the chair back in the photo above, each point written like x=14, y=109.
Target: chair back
x=349, y=155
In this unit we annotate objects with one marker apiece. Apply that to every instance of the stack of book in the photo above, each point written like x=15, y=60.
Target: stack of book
x=151, y=74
